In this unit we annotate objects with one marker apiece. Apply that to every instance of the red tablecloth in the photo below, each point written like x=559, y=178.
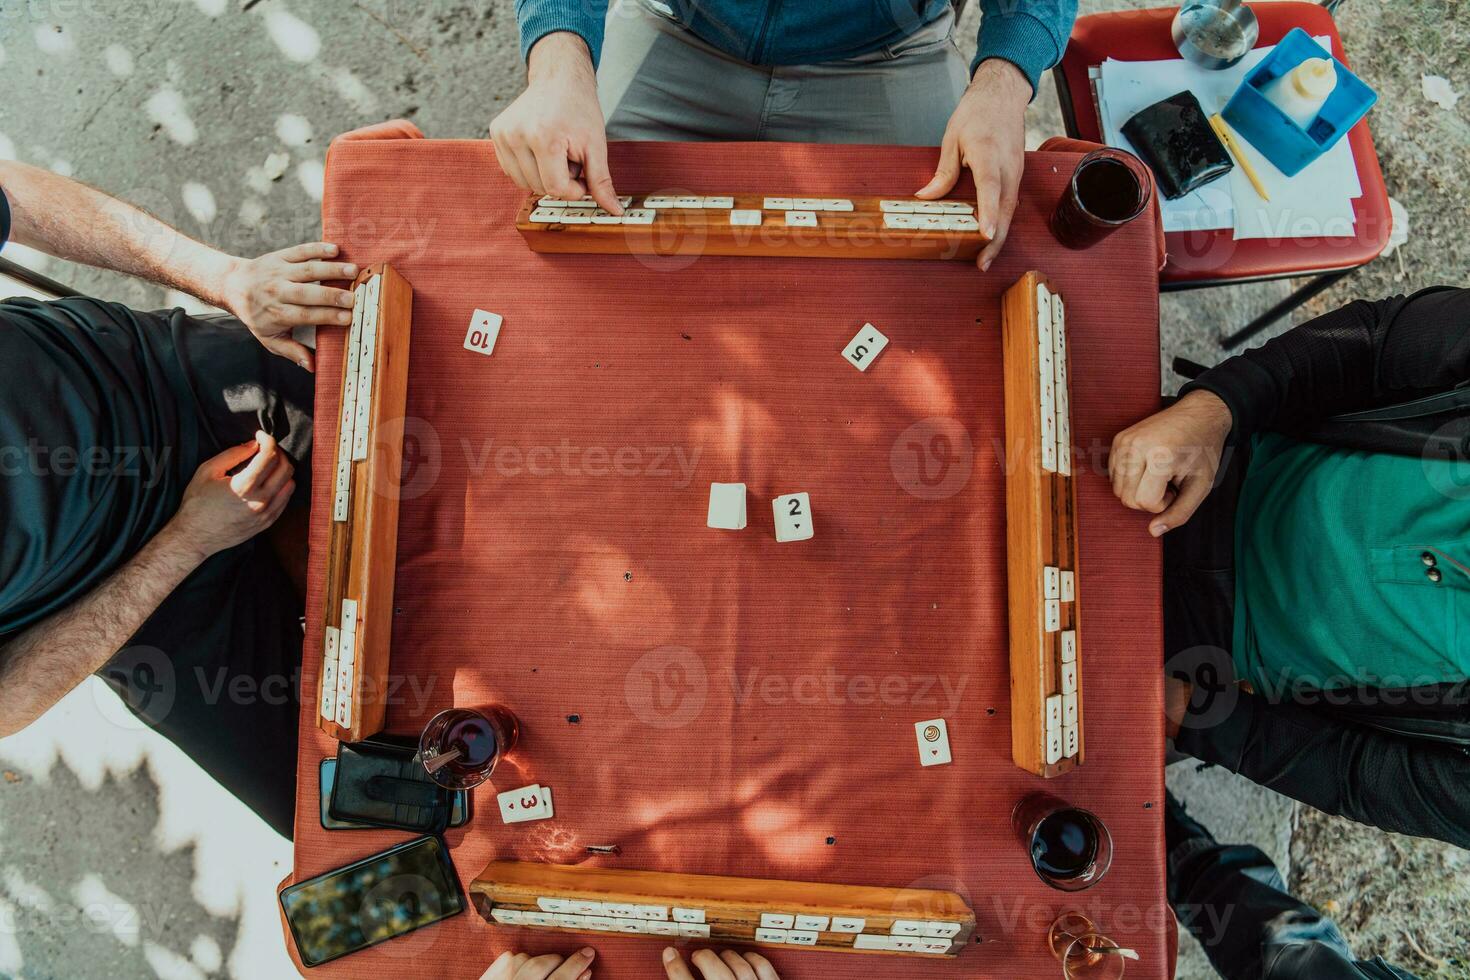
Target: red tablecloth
x=746, y=707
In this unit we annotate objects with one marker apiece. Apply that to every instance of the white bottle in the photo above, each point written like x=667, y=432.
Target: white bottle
x=1300, y=92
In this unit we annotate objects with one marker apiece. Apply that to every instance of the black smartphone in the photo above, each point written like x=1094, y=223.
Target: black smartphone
x=373, y=900
x=459, y=811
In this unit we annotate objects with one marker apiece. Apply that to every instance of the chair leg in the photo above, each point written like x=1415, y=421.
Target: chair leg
x=1282, y=308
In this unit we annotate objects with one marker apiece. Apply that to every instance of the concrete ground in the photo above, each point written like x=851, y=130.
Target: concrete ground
x=118, y=858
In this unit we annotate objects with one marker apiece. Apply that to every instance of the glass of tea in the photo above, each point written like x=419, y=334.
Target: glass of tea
x=1083, y=951
x=460, y=746
x=1109, y=188
x=1070, y=849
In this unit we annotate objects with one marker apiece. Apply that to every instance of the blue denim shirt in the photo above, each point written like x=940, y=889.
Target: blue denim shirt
x=1030, y=35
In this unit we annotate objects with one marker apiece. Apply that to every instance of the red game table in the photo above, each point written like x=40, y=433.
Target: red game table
x=744, y=707
x=1203, y=258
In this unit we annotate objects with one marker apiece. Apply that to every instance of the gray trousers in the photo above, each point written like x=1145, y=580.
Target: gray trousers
x=657, y=81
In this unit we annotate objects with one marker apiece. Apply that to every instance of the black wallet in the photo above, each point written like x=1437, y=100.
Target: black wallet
x=1175, y=139
x=380, y=782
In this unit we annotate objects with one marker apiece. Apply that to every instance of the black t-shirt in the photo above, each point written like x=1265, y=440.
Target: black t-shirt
x=91, y=442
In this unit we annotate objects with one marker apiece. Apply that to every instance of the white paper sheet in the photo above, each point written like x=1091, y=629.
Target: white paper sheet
x=1316, y=202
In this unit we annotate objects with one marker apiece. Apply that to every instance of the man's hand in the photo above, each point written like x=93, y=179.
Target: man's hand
x=282, y=290
x=552, y=138
x=987, y=133
x=728, y=965
x=220, y=511
x=519, y=966
x=1167, y=463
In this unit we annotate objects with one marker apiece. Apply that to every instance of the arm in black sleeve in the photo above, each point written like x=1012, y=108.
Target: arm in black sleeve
x=1363, y=355
x=1406, y=785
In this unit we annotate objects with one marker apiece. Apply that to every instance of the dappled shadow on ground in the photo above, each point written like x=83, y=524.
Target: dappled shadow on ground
x=86, y=890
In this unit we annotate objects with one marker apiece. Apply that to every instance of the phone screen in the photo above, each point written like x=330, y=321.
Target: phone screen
x=373, y=900
x=459, y=813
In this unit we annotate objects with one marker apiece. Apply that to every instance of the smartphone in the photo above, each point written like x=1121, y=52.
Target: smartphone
x=459, y=812
x=373, y=900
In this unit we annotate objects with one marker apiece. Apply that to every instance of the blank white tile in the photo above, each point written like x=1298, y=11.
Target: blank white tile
x=483, y=332
x=801, y=219
x=871, y=942
x=745, y=218
x=865, y=346
x=793, y=513
x=727, y=506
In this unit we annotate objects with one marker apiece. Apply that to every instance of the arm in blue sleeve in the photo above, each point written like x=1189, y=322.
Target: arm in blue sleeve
x=585, y=18
x=1031, y=36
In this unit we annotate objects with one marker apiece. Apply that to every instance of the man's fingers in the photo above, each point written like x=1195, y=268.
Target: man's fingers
x=508, y=162
x=245, y=480
x=737, y=965
x=946, y=174
x=232, y=457
x=575, y=966
x=556, y=175
x=317, y=271
x=292, y=350
x=1152, y=492
x=711, y=967
x=298, y=316
x=273, y=481
x=1002, y=227
x=763, y=967
x=1191, y=494
x=989, y=192
x=526, y=160
x=310, y=294
x=308, y=250
x=599, y=179
x=674, y=965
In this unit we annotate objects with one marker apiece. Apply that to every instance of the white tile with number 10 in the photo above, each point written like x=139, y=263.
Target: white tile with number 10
x=484, y=329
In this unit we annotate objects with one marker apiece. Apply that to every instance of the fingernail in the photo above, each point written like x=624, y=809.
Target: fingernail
x=1157, y=529
x=587, y=952
x=350, y=270
x=985, y=266
x=586, y=975
x=988, y=229
x=670, y=955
